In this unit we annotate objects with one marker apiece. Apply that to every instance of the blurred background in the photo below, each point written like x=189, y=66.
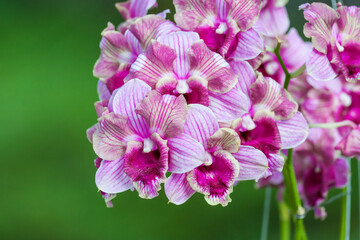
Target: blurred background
x=47, y=52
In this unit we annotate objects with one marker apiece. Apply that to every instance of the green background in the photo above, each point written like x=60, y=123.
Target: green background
x=47, y=52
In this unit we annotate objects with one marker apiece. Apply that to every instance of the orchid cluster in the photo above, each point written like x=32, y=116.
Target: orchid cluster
x=198, y=105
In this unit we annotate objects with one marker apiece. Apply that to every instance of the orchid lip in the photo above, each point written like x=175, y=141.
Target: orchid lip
x=182, y=87
x=222, y=28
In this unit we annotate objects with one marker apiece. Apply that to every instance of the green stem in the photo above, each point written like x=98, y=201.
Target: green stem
x=333, y=124
x=281, y=61
x=292, y=197
x=266, y=215
x=346, y=209
x=284, y=218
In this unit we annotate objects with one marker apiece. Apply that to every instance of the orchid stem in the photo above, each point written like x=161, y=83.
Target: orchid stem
x=293, y=198
x=281, y=61
x=284, y=217
x=266, y=216
x=345, y=123
x=345, y=209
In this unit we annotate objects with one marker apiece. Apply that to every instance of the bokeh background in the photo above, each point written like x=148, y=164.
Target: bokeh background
x=47, y=52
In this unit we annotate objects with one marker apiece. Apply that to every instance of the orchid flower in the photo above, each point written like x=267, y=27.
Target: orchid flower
x=180, y=63
x=120, y=50
x=336, y=38
x=263, y=114
x=131, y=138
x=224, y=25
x=225, y=161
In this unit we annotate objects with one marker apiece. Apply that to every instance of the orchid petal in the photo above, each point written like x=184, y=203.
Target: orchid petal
x=212, y=67
x=181, y=42
x=134, y=8
x=111, y=135
x=165, y=114
x=147, y=170
x=250, y=45
x=200, y=123
x=103, y=91
x=293, y=131
x=225, y=139
x=318, y=66
x=276, y=162
x=245, y=73
x=124, y=101
x=186, y=153
x=320, y=19
x=253, y=163
x=216, y=180
x=178, y=189
x=111, y=178
x=154, y=65
x=191, y=13
x=266, y=93
x=244, y=12
x=350, y=144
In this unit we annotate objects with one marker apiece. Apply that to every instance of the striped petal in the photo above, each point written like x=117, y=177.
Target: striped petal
x=185, y=154
x=266, y=93
x=224, y=139
x=135, y=8
x=165, y=114
x=244, y=12
x=319, y=67
x=250, y=45
x=211, y=67
x=293, y=131
x=124, y=101
x=178, y=189
x=111, y=178
x=253, y=163
x=200, y=123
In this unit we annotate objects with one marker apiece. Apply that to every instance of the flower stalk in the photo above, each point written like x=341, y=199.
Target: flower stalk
x=284, y=218
x=346, y=209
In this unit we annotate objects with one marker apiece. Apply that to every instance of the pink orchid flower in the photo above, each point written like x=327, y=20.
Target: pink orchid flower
x=131, y=138
x=180, y=63
x=336, y=38
x=350, y=144
x=120, y=50
x=224, y=25
x=263, y=114
x=224, y=160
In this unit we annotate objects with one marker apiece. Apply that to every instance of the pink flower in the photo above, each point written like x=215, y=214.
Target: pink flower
x=120, y=50
x=180, y=63
x=273, y=19
x=224, y=25
x=132, y=138
x=262, y=113
x=225, y=161
x=350, y=144
x=336, y=39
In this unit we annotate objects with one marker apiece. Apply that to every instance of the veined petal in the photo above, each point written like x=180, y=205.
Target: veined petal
x=244, y=12
x=124, y=101
x=224, y=139
x=229, y=106
x=165, y=114
x=318, y=66
x=200, y=123
x=103, y=91
x=212, y=67
x=109, y=140
x=320, y=19
x=111, y=178
x=216, y=180
x=266, y=93
x=293, y=131
x=273, y=20
x=253, y=163
x=147, y=28
x=155, y=64
x=250, y=45
x=90, y=132
x=276, y=162
x=147, y=170
x=349, y=21
x=246, y=75
x=191, y=13
x=199, y=91
x=185, y=153
x=181, y=42
x=134, y=8
x=178, y=189
x=350, y=144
